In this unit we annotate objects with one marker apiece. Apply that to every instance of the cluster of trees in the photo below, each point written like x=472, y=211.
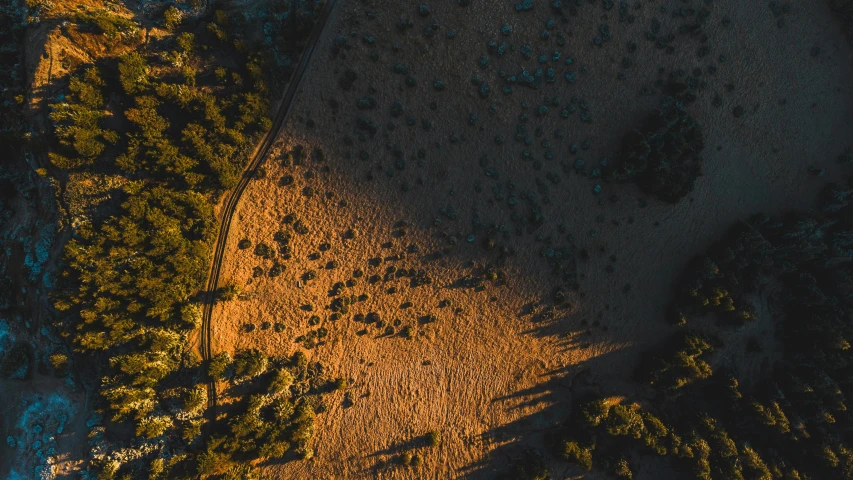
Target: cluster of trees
x=77, y=123
x=176, y=118
x=664, y=156
x=792, y=423
x=276, y=418
x=202, y=144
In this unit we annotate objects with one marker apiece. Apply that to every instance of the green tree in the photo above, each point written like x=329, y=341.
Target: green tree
x=78, y=120
x=172, y=17
x=219, y=365
x=133, y=73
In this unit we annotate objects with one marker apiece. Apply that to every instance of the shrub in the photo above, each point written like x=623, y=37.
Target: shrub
x=106, y=22
x=210, y=462
x=228, y=292
x=133, y=73
x=573, y=452
x=433, y=438
x=250, y=363
x=241, y=471
x=622, y=469
x=264, y=250
x=679, y=364
x=59, y=362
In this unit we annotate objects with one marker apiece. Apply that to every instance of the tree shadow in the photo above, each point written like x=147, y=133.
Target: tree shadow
x=553, y=398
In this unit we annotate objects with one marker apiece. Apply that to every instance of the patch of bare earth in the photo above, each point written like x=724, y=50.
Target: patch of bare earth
x=494, y=375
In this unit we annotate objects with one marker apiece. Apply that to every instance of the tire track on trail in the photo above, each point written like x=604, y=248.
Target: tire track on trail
x=233, y=198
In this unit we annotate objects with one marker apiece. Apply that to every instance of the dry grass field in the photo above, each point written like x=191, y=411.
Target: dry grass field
x=489, y=365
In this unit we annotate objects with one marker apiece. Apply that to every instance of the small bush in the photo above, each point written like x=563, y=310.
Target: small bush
x=623, y=470
x=575, y=453
x=59, y=362
x=228, y=292
x=433, y=438
x=264, y=250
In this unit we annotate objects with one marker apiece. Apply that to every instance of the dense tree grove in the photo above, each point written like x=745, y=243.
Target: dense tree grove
x=274, y=421
x=663, y=157
x=176, y=118
x=791, y=423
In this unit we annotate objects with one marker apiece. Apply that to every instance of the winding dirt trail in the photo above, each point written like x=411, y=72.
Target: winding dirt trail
x=233, y=198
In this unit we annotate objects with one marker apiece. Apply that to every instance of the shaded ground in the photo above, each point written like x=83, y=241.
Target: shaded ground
x=493, y=376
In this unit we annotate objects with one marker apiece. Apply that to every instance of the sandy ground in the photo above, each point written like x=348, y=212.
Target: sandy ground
x=493, y=376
